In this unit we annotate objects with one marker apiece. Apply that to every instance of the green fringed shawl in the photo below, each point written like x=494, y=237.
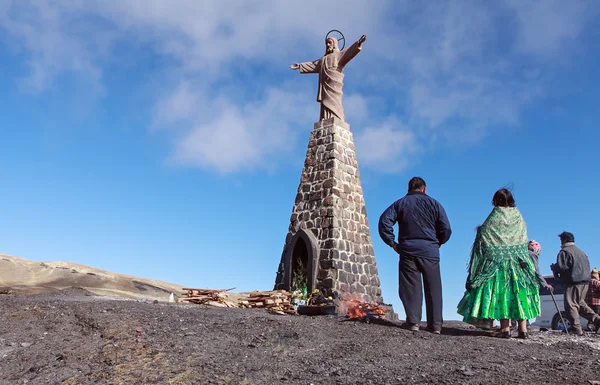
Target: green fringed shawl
x=501, y=273
x=502, y=238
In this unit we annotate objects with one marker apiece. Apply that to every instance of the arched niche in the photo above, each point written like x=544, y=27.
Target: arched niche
x=303, y=248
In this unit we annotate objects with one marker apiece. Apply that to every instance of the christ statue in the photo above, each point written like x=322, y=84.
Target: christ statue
x=331, y=76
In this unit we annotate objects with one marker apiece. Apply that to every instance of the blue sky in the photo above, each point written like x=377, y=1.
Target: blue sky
x=166, y=139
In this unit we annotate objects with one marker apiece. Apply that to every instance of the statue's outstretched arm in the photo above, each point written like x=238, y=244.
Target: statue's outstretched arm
x=309, y=67
x=350, y=52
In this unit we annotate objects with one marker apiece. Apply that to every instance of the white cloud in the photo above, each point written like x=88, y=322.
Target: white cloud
x=42, y=30
x=547, y=27
x=225, y=144
x=388, y=147
x=237, y=137
x=466, y=73
x=355, y=107
x=462, y=109
x=205, y=34
x=447, y=70
x=62, y=36
x=178, y=106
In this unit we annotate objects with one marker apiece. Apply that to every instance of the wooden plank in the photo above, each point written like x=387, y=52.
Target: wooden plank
x=208, y=290
x=251, y=299
x=190, y=299
x=258, y=299
x=275, y=295
x=216, y=296
x=256, y=292
x=215, y=303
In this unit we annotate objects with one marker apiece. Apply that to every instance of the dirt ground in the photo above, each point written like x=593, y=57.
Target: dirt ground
x=74, y=337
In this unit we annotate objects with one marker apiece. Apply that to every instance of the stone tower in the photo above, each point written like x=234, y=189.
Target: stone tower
x=328, y=245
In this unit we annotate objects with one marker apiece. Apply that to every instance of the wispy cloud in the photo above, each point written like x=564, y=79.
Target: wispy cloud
x=550, y=27
x=180, y=105
x=446, y=70
x=54, y=45
x=388, y=147
x=232, y=137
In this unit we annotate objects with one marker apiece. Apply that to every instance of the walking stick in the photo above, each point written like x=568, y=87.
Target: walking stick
x=559, y=313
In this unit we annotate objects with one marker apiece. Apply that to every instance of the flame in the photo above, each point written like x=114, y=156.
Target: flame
x=356, y=312
x=363, y=310
x=348, y=301
x=354, y=306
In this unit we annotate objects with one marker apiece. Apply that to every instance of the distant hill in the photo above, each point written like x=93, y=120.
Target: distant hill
x=28, y=277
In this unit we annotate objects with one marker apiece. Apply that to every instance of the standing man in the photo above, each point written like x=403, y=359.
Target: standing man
x=572, y=267
x=422, y=228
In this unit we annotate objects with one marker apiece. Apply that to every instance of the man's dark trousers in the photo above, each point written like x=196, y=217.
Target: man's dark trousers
x=411, y=269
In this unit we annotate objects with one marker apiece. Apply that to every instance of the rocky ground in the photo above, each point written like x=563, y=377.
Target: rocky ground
x=73, y=337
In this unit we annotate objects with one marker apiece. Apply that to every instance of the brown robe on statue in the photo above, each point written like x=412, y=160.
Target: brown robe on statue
x=331, y=79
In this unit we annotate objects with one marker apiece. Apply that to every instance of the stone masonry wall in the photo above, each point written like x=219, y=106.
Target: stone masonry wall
x=330, y=204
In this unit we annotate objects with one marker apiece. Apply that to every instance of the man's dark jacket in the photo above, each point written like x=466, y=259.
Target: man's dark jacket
x=572, y=265
x=423, y=225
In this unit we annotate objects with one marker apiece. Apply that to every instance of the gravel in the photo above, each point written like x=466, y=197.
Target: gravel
x=73, y=337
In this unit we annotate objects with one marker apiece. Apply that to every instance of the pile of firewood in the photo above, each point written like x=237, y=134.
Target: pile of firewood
x=276, y=301
x=210, y=297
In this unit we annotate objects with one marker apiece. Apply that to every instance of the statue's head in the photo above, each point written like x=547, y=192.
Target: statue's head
x=331, y=45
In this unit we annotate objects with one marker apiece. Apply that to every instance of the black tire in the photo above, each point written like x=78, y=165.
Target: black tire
x=556, y=322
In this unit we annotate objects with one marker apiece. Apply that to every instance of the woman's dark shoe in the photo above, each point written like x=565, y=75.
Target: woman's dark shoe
x=501, y=334
x=523, y=335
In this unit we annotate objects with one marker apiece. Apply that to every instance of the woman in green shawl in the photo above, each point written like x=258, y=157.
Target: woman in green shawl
x=501, y=283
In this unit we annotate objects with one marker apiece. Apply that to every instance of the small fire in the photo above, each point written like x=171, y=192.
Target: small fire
x=364, y=310
x=354, y=306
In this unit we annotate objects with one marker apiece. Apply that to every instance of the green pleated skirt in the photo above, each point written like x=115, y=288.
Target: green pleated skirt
x=506, y=295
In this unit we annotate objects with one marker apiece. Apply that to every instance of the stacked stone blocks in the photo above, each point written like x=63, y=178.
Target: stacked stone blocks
x=330, y=204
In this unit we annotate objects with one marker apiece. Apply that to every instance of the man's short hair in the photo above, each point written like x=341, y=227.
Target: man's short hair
x=416, y=183
x=565, y=237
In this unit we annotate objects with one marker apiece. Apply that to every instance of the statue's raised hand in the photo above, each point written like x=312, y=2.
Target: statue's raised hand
x=362, y=40
x=295, y=66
